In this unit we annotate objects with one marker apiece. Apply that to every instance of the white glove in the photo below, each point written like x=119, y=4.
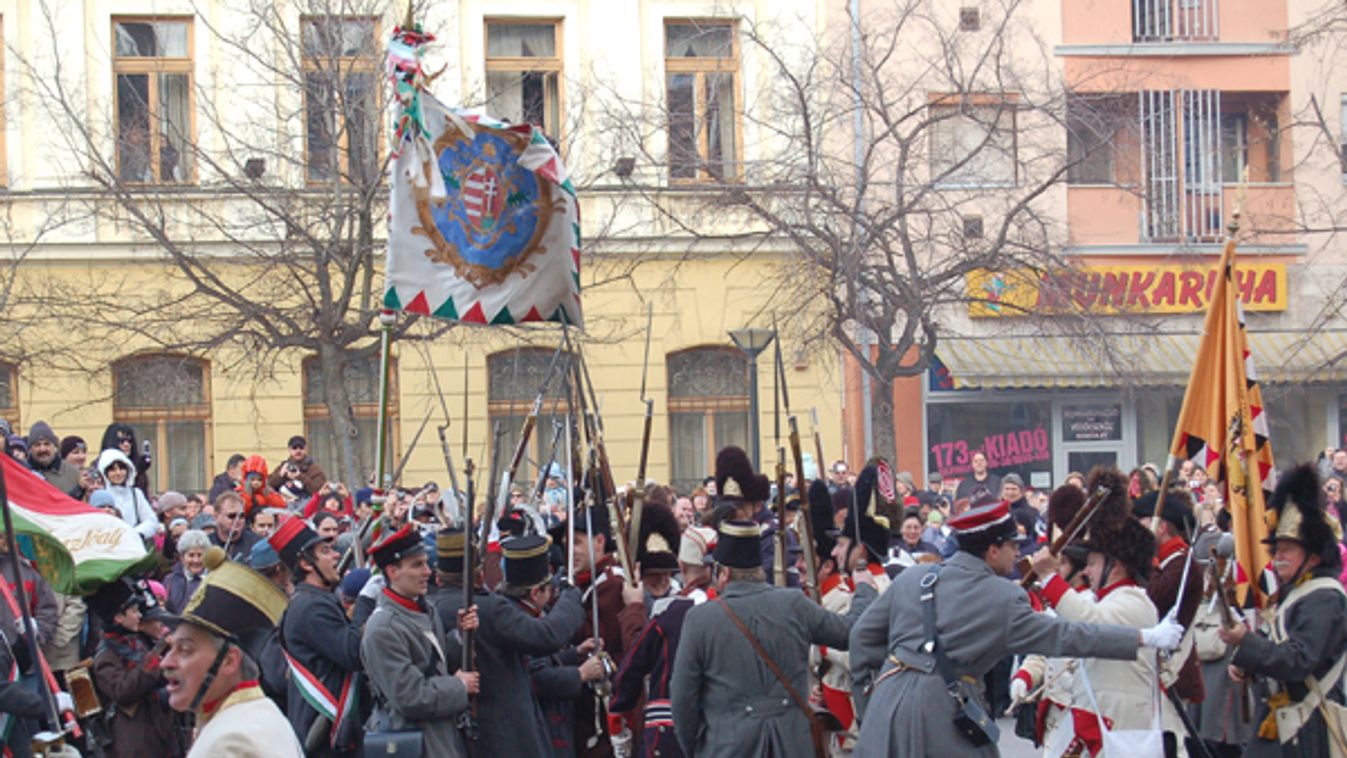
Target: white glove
x=64, y=702
x=373, y=587
x=32, y=624
x=1164, y=636
x=1018, y=689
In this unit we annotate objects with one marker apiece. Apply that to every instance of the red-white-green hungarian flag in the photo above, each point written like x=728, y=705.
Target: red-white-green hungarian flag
x=483, y=224
x=76, y=548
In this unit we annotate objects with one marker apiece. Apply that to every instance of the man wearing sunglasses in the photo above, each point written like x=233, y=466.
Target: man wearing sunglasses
x=299, y=461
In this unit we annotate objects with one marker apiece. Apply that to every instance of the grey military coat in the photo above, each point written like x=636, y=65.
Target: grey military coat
x=726, y=701
x=509, y=719
x=406, y=656
x=980, y=619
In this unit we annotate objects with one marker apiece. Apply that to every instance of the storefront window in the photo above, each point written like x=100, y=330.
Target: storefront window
x=1016, y=436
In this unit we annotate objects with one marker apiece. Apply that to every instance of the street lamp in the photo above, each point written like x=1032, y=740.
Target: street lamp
x=751, y=342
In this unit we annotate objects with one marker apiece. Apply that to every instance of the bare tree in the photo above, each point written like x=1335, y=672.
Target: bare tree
x=886, y=170
x=260, y=189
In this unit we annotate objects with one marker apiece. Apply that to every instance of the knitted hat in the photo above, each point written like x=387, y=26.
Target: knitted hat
x=42, y=431
x=69, y=444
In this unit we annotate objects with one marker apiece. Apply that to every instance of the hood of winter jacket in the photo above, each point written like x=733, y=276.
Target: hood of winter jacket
x=113, y=455
x=255, y=464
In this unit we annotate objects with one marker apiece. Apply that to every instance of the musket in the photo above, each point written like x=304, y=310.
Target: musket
x=468, y=721
x=605, y=489
x=503, y=495
x=541, y=486
x=1225, y=595
x=444, y=448
x=356, y=550
x=780, y=574
x=1072, y=529
x=818, y=443
x=636, y=497
x=806, y=524
x=496, y=433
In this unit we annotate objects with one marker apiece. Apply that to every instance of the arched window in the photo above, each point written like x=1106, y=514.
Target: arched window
x=708, y=409
x=513, y=380
x=362, y=388
x=166, y=399
x=9, y=396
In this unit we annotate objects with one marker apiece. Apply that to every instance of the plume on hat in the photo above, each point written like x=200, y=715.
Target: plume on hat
x=1299, y=515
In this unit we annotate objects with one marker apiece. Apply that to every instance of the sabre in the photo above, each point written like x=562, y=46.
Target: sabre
x=806, y=524
x=636, y=498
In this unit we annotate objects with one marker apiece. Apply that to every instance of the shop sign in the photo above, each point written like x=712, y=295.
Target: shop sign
x=1136, y=288
x=1004, y=450
x=1092, y=423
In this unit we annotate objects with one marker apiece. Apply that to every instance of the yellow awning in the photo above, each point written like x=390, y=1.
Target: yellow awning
x=1149, y=360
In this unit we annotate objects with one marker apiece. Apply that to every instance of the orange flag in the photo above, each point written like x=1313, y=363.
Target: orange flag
x=1222, y=427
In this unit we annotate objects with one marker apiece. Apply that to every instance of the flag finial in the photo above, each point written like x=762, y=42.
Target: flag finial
x=1240, y=195
x=409, y=21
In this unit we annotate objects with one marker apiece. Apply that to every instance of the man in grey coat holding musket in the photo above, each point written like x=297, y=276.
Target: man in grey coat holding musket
x=901, y=697
x=408, y=656
x=727, y=699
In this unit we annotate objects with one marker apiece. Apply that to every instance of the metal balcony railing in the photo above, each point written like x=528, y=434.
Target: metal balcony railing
x=1175, y=20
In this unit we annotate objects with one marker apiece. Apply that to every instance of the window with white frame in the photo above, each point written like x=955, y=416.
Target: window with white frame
x=973, y=145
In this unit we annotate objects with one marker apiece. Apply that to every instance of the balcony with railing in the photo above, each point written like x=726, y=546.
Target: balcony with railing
x=1164, y=167
x=1142, y=27
x=1175, y=20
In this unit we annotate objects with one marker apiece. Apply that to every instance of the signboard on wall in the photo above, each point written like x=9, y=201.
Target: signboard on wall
x=1092, y=422
x=1134, y=288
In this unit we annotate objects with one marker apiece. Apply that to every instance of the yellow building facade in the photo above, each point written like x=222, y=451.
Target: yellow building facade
x=539, y=61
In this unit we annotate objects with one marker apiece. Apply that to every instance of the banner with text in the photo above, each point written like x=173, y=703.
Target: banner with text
x=1134, y=288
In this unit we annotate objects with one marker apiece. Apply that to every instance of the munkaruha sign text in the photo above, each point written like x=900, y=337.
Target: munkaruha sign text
x=1120, y=289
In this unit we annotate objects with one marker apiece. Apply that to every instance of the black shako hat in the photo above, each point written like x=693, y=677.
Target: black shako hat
x=1177, y=510
x=525, y=560
x=404, y=543
x=449, y=544
x=111, y=599
x=291, y=539
x=739, y=545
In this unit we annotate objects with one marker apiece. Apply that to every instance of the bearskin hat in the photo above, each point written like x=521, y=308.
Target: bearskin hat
x=866, y=482
x=735, y=479
x=1130, y=543
x=1115, y=509
x=821, y=520
x=658, y=549
x=1300, y=517
x=1063, y=505
x=874, y=532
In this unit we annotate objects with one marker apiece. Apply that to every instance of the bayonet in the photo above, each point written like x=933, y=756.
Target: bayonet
x=526, y=433
x=806, y=529
x=636, y=499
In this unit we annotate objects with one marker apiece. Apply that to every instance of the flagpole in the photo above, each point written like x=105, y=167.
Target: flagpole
x=387, y=319
x=27, y=636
